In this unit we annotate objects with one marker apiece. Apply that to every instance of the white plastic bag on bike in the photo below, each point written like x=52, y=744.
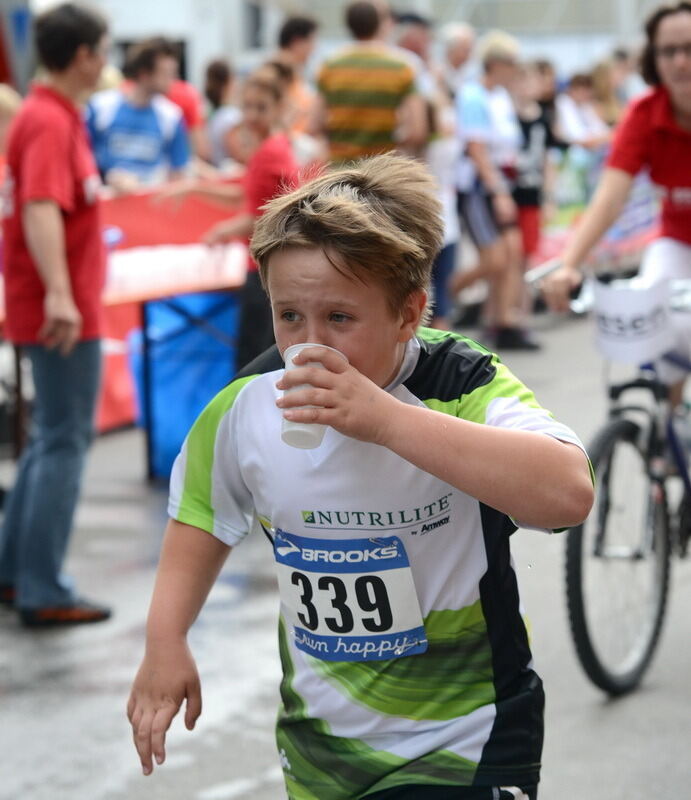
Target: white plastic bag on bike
x=633, y=320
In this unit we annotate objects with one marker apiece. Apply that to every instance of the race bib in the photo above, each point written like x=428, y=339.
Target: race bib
x=349, y=599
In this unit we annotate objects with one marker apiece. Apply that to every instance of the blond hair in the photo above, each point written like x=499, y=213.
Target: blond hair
x=9, y=101
x=378, y=219
x=497, y=46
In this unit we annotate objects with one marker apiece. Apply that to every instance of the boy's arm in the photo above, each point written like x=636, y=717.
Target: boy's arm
x=190, y=562
x=531, y=476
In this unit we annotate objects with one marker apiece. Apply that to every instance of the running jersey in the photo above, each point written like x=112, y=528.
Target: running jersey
x=364, y=541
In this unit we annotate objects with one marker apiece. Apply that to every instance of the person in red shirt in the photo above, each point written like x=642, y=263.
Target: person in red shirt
x=654, y=134
x=54, y=274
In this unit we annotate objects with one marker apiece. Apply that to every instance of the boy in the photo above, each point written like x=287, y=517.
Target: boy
x=407, y=671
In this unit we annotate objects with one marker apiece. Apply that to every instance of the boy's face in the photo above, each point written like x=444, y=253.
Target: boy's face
x=313, y=302
x=161, y=78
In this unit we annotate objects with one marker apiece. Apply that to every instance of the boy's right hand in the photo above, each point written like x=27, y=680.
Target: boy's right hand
x=337, y=395
x=166, y=677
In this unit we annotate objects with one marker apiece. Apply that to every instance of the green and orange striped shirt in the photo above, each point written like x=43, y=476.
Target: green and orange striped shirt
x=363, y=87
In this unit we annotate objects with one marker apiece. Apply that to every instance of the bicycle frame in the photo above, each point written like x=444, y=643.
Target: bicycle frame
x=661, y=427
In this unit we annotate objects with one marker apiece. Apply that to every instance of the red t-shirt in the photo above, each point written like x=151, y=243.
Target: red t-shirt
x=272, y=170
x=649, y=137
x=49, y=158
x=189, y=101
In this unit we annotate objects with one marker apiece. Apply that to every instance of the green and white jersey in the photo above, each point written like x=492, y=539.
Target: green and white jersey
x=405, y=656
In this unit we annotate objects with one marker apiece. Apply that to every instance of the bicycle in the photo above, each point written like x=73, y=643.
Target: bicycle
x=617, y=561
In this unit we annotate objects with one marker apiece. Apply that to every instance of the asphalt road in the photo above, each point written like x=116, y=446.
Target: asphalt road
x=63, y=732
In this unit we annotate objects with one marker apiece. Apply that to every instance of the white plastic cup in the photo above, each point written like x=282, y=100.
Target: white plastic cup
x=305, y=435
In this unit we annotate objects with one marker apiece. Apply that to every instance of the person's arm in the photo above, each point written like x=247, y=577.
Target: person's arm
x=44, y=231
x=316, y=125
x=530, y=476
x=190, y=562
x=178, y=152
x=177, y=175
x=412, y=114
x=200, y=142
x=239, y=227
x=493, y=181
x=231, y=194
x=602, y=211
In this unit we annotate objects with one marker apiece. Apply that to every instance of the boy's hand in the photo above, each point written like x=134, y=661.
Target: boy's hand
x=164, y=680
x=345, y=399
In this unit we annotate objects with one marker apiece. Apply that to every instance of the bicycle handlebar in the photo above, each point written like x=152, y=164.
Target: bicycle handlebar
x=536, y=274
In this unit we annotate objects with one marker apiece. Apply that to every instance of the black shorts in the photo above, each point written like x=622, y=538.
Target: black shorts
x=478, y=219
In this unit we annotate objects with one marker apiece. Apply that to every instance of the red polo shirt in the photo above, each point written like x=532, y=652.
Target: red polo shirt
x=271, y=171
x=49, y=158
x=649, y=137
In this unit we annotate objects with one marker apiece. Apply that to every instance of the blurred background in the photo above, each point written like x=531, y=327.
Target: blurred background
x=571, y=34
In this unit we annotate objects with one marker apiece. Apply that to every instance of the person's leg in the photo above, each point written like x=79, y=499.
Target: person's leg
x=511, y=334
x=66, y=393
x=478, y=221
x=15, y=507
x=442, y=270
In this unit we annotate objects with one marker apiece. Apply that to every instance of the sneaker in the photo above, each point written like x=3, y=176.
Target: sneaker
x=81, y=613
x=7, y=594
x=514, y=339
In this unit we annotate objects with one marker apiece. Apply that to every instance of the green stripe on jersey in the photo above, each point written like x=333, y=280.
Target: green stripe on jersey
x=435, y=335
x=337, y=768
x=451, y=679
x=472, y=405
x=201, y=439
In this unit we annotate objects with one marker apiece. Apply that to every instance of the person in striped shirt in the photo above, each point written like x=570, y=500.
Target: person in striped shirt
x=368, y=99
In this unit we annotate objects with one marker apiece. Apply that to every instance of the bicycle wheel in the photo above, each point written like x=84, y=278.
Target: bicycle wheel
x=617, y=564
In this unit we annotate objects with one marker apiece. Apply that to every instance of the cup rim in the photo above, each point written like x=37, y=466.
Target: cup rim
x=298, y=346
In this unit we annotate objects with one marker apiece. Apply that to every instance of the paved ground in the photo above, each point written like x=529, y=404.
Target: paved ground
x=63, y=733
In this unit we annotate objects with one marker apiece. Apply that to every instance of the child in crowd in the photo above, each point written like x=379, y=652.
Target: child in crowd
x=224, y=115
x=533, y=184
x=406, y=666
x=270, y=169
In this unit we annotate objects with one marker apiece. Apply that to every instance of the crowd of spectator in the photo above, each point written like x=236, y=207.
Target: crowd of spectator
x=492, y=126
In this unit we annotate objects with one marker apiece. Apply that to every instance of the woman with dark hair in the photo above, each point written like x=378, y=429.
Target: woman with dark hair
x=654, y=134
x=223, y=116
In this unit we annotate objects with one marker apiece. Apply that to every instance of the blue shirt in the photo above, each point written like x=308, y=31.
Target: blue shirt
x=147, y=141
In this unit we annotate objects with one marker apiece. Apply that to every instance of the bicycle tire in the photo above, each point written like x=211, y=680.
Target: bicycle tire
x=621, y=674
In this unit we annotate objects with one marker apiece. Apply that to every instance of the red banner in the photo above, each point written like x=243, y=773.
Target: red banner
x=155, y=252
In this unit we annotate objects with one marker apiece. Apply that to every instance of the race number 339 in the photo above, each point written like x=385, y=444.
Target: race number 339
x=349, y=599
